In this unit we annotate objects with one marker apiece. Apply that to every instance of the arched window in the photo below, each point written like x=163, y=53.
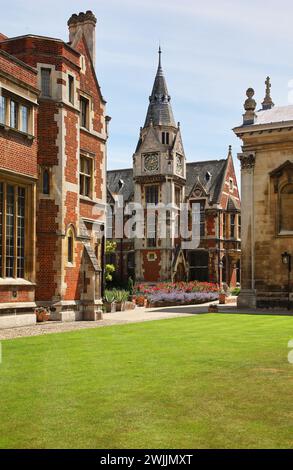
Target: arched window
x=70, y=246
x=46, y=182
x=286, y=208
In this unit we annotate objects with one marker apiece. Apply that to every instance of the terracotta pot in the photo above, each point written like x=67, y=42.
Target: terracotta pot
x=141, y=301
x=222, y=298
x=42, y=316
x=110, y=307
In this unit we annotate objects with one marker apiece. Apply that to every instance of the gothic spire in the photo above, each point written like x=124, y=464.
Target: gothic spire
x=160, y=110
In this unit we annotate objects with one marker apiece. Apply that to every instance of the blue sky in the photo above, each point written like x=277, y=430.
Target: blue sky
x=212, y=52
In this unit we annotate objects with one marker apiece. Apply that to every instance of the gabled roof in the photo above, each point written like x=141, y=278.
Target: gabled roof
x=198, y=171
x=120, y=182
x=233, y=204
x=160, y=110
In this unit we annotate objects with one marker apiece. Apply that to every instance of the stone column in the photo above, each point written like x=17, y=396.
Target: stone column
x=247, y=296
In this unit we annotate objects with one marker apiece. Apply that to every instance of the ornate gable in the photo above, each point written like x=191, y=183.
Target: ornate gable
x=178, y=144
x=150, y=142
x=198, y=191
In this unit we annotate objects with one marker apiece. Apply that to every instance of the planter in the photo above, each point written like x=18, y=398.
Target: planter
x=120, y=306
x=110, y=307
x=129, y=305
x=42, y=315
x=222, y=298
x=141, y=301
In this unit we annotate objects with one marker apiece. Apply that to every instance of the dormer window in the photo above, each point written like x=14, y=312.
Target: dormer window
x=165, y=138
x=208, y=176
x=121, y=184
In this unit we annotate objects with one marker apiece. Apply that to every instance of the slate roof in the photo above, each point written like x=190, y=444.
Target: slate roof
x=120, y=182
x=195, y=171
x=160, y=109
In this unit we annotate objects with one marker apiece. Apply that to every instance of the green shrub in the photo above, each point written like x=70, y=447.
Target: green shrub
x=109, y=270
x=109, y=296
x=130, y=286
x=120, y=295
x=235, y=291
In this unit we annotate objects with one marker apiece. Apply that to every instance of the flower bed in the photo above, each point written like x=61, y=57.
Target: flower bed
x=178, y=293
x=181, y=298
x=192, y=286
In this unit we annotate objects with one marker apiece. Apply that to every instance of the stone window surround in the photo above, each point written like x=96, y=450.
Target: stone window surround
x=21, y=101
x=281, y=233
x=280, y=179
x=70, y=232
x=90, y=111
x=92, y=174
x=28, y=234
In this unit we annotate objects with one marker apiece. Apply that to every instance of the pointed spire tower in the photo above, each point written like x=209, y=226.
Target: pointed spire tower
x=159, y=172
x=160, y=110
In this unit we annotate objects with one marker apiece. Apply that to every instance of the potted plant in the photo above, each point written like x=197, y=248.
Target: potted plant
x=42, y=314
x=120, y=298
x=140, y=300
x=222, y=296
x=109, y=301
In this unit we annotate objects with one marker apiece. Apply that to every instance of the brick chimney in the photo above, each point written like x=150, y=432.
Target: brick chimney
x=86, y=24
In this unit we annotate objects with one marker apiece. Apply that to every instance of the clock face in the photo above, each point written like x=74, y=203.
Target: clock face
x=179, y=166
x=151, y=162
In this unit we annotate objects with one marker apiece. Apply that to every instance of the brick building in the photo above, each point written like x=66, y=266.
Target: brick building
x=161, y=175
x=53, y=133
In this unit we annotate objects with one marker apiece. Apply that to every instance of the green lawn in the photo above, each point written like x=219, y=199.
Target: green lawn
x=208, y=381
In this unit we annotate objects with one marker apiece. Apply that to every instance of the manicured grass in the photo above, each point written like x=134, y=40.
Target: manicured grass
x=208, y=381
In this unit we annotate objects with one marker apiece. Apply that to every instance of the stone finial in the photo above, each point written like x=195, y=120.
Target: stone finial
x=268, y=102
x=230, y=151
x=249, y=106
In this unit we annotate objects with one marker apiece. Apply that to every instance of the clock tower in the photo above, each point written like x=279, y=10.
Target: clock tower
x=159, y=172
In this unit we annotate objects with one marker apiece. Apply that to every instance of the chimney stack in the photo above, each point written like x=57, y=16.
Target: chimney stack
x=86, y=24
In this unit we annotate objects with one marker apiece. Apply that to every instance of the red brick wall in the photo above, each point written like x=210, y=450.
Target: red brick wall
x=23, y=294
x=16, y=70
x=49, y=256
